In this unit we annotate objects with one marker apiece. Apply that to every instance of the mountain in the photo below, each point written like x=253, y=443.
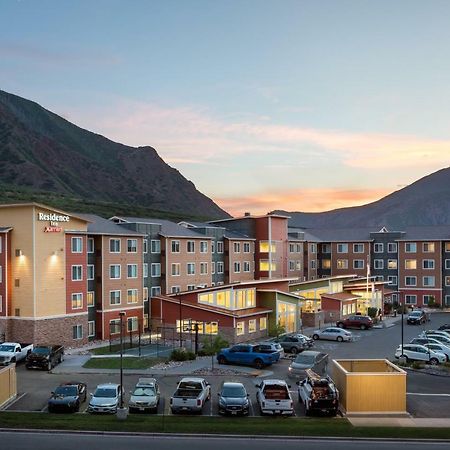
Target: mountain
x=44, y=155
x=425, y=202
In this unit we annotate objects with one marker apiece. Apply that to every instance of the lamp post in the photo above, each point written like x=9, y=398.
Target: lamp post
x=180, y=319
x=121, y=411
x=402, y=306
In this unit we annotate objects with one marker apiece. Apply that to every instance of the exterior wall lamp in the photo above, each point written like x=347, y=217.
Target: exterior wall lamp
x=19, y=252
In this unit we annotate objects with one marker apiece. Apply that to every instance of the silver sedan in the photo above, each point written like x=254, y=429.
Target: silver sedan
x=333, y=334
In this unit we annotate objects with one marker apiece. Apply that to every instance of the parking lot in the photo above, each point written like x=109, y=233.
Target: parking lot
x=428, y=396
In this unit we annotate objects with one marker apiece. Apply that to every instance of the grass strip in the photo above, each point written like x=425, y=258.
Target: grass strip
x=128, y=363
x=213, y=425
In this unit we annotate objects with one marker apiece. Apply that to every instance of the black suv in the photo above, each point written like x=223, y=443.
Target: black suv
x=416, y=317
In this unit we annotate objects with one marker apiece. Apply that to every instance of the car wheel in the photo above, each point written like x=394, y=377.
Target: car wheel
x=259, y=364
x=49, y=366
x=77, y=407
x=434, y=361
x=294, y=350
x=221, y=360
x=339, y=339
x=340, y=325
x=315, y=337
x=13, y=360
x=362, y=327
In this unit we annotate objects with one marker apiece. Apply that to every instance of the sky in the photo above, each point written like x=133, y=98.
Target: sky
x=263, y=104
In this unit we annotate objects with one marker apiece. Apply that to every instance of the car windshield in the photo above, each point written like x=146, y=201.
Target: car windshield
x=305, y=359
x=41, y=350
x=105, y=392
x=416, y=313
x=144, y=392
x=7, y=348
x=66, y=391
x=233, y=391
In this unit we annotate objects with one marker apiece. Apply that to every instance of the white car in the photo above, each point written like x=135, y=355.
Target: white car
x=333, y=334
x=416, y=352
x=440, y=348
x=105, y=399
x=439, y=337
x=441, y=332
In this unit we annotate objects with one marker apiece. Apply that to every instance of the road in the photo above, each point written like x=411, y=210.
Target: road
x=66, y=441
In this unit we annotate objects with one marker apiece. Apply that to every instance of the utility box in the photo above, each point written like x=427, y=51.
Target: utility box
x=370, y=386
x=8, y=384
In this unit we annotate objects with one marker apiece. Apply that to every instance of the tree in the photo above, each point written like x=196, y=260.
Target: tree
x=276, y=330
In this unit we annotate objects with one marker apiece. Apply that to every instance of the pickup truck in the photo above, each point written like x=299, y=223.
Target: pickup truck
x=248, y=355
x=190, y=396
x=318, y=394
x=273, y=397
x=13, y=352
x=44, y=357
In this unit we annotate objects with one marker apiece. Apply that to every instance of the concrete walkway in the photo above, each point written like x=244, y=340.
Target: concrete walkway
x=399, y=422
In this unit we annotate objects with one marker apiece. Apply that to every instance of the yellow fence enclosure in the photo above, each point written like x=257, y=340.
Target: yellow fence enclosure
x=8, y=384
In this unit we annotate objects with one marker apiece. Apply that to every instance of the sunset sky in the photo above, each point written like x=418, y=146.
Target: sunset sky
x=262, y=104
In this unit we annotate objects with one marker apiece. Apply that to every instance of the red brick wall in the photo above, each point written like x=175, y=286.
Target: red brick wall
x=111, y=315
x=76, y=286
x=4, y=260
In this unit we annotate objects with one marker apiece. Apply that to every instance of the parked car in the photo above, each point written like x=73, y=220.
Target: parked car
x=416, y=317
x=190, y=396
x=233, y=399
x=439, y=337
x=13, y=352
x=318, y=394
x=247, y=354
x=333, y=334
x=273, y=397
x=424, y=340
x=44, y=357
x=295, y=343
x=309, y=359
x=445, y=327
x=105, y=399
x=416, y=352
x=68, y=397
x=270, y=347
x=356, y=321
x=440, y=348
x=145, y=396
x=435, y=332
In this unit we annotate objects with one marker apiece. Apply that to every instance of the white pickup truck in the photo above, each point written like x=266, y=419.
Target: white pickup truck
x=190, y=396
x=273, y=397
x=13, y=352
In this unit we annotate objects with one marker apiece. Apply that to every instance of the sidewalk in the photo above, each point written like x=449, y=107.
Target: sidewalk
x=399, y=422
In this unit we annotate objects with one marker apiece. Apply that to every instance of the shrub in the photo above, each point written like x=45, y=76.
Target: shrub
x=181, y=354
x=372, y=312
x=276, y=330
x=418, y=365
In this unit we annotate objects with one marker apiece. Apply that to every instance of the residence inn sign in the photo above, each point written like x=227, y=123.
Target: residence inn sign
x=54, y=220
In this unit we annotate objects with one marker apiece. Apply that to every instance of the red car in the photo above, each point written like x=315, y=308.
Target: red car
x=356, y=321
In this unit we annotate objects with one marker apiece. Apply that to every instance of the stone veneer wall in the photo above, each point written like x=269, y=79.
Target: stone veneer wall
x=48, y=331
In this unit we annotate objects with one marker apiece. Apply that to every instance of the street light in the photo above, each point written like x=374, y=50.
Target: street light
x=121, y=411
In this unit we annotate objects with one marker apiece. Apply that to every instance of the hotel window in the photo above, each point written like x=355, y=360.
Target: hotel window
x=90, y=245
x=77, y=245
x=223, y=299
x=313, y=248
x=252, y=326
x=250, y=295
x=1, y=244
x=175, y=246
x=219, y=267
x=90, y=298
x=447, y=264
x=237, y=267
x=145, y=246
x=206, y=298
x=131, y=245
x=392, y=264
x=114, y=326
x=291, y=248
x=175, y=269
x=428, y=263
x=298, y=265
x=378, y=247
x=426, y=299
x=410, y=264
x=155, y=246
x=378, y=264
x=410, y=247
x=190, y=268
x=220, y=247
x=246, y=247
x=77, y=273
x=428, y=247
x=203, y=247
x=175, y=289
x=264, y=247
x=145, y=324
x=77, y=301
x=326, y=263
x=447, y=246
x=410, y=281
x=358, y=264
x=291, y=265
x=145, y=294
x=114, y=271
x=298, y=248
x=132, y=270
x=145, y=270
x=429, y=281
x=240, y=328
x=358, y=248
x=326, y=248
x=236, y=247
x=342, y=263
x=447, y=281
x=155, y=290
x=263, y=323
x=77, y=332
x=114, y=246
x=191, y=287
x=132, y=324
x=203, y=268
x=211, y=327
x=239, y=299
x=132, y=296
x=213, y=267
x=90, y=271
x=313, y=264
x=264, y=266
x=411, y=299
x=392, y=279
x=342, y=248
x=190, y=246
x=114, y=297
x=392, y=247
x=91, y=328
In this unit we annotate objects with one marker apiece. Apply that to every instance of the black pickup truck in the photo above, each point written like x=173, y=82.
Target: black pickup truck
x=45, y=357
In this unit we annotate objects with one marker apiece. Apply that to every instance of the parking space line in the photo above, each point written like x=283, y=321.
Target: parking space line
x=251, y=407
x=427, y=395
x=211, y=407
